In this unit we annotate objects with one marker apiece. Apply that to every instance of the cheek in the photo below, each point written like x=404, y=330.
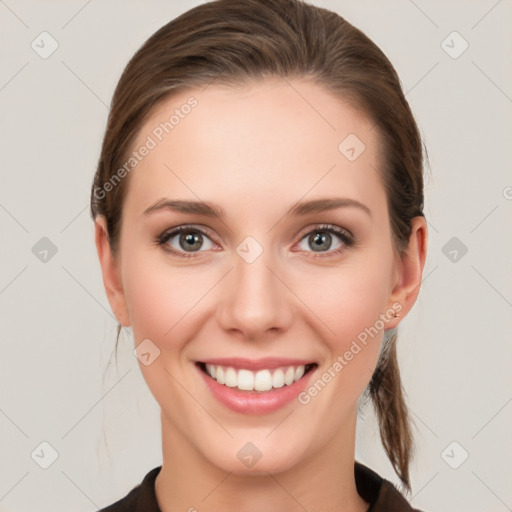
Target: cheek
x=162, y=299
x=350, y=298
x=351, y=303
x=163, y=302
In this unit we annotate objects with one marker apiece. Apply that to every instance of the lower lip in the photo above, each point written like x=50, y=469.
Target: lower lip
x=255, y=402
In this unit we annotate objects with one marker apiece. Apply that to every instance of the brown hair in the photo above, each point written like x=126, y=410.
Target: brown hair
x=234, y=41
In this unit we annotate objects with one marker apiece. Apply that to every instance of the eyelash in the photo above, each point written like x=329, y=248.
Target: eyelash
x=345, y=236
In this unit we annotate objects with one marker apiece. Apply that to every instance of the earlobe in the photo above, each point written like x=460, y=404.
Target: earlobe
x=410, y=271
x=110, y=272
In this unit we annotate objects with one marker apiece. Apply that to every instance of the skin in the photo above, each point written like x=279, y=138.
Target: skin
x=255, y=151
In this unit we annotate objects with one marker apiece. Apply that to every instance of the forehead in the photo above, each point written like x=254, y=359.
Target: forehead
x=268, y=139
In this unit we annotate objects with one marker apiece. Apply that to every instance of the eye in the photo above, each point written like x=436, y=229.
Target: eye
x=184, y=241
x=321, y=240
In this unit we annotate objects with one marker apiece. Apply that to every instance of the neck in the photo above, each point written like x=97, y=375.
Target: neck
x=323, y=482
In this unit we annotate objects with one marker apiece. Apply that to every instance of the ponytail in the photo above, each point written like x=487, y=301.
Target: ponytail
x=386, y=393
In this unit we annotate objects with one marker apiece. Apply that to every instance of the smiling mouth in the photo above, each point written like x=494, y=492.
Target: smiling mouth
x=260, y=381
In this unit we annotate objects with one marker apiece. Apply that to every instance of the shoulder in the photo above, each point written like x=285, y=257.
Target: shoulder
x=141, y=498
x=382, y=495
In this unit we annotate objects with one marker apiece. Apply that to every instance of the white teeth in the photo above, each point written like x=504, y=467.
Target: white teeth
x=289, y=375
x=278, y=379
x=262, y=380
x=230, y=378
x=245, y=380
x=299, y=372
x=220, y=375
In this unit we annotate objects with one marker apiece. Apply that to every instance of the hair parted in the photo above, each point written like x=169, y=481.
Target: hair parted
x=233, y=42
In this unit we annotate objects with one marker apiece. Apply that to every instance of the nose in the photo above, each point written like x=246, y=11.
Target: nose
x=255, y=301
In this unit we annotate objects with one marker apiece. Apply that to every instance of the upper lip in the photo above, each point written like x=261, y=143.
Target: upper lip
x=256, y=364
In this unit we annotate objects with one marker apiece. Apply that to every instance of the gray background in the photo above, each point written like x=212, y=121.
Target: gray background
x=58, y=331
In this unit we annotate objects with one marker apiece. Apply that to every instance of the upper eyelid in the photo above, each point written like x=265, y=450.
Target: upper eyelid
x=172, y=232
x=326, y=227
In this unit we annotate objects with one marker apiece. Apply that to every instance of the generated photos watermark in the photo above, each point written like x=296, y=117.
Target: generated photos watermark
x=366, y=335
x=136, y=156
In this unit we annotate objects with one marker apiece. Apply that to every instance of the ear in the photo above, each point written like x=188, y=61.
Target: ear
x=110, y=270
x=409, y=271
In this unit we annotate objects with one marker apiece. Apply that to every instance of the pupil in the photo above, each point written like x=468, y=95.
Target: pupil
x=319, y=239
x=191, y=240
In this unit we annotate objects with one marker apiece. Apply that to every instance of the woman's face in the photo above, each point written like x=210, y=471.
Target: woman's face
x=265, y=285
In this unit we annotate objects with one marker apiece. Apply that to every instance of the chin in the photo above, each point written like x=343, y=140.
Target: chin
x=251, y=460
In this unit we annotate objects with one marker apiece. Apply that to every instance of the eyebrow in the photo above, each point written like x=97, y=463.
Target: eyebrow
x=298, y=209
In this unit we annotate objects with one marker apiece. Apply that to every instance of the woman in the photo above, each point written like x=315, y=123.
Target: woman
x=258, y=210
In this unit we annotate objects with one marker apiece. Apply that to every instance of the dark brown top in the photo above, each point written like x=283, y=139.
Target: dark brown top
x=382, y=495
